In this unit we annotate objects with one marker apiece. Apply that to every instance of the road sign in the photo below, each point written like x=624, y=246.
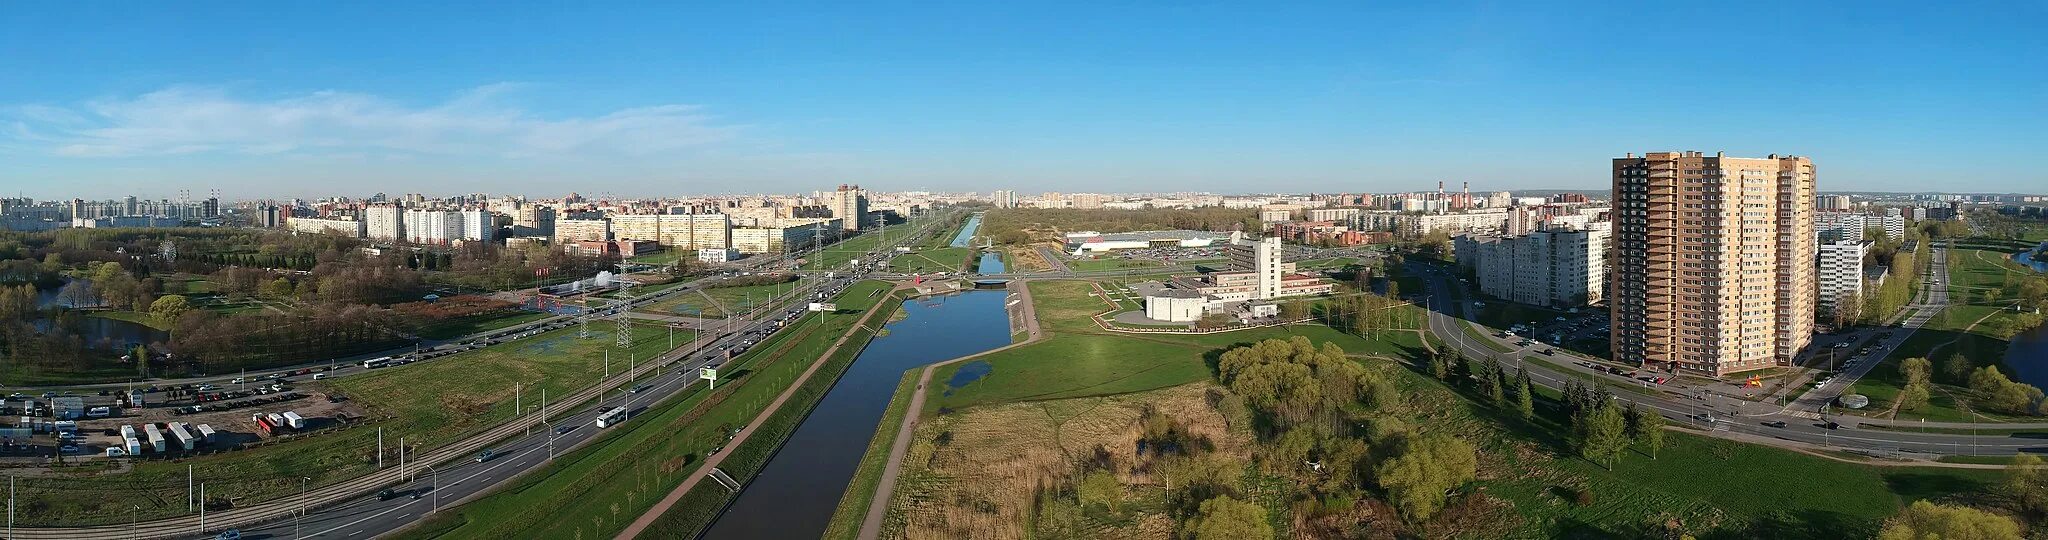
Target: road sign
x=710, y=374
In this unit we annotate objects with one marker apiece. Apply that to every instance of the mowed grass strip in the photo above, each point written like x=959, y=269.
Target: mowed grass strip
x=596, y=490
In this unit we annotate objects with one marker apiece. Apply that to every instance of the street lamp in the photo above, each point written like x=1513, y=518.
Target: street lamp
x=302, y=506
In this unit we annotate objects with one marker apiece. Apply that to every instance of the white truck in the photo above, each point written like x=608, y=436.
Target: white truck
x=206, y=433
x=156, y=437
x=183, y=437
x=292, y=418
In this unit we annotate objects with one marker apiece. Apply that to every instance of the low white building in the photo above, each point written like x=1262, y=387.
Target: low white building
x=1091, y=241
x=718, y=255
x=1175, y=305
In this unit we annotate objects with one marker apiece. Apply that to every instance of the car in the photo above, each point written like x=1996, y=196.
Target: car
x=1832, y=425
x=1775, y=423
x=230, y=534
x=318, y=376
x=1842, y=345
x=1548, y=351
x=387, y=494
x=486, y=456
x=565, y=429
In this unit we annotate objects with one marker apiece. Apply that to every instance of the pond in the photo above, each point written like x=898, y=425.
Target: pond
x=2032, y=258
x=2027, y=355
x=111, y=334
x=968, y=373
x=796, y=493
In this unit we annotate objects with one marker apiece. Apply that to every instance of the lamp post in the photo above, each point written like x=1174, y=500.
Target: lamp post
x=302, y=506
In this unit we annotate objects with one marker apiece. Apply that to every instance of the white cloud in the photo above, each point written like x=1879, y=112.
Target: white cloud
x=200, y=120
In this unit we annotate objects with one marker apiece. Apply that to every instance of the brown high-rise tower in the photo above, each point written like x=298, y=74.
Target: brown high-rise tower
x=1712, y=262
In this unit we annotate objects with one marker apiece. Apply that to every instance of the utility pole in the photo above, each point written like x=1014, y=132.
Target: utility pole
x=380, y=448
x=188, y=487
x=202, y=510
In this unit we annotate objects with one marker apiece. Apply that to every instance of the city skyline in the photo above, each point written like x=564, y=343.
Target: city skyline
x=1318, y=98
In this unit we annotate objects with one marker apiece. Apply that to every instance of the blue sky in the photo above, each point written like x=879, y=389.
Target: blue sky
x=268, y=99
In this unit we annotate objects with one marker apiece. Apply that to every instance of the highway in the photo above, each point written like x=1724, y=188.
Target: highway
x=352, y=508
x=1700, y=407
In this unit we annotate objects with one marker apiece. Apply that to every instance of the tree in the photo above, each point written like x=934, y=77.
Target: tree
x=1423, y=470
x=1603, y=434
x=1928, y=521
x=1917, y=390
x=1100, y=488
x=1525, y=403
x=2026, y=483
x=1957, y=367
x=1651, y=429
x=2003, y=394
x=1225, y=518
x=170, y=307
x=1439, y=365
x=278, y=289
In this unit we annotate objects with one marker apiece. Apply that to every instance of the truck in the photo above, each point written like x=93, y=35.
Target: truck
x=263, y=425
x=276, y=420
x=611, y=417
x=183, y=438
x=292, y=418
x=156, y=437
x=206, y=433
x=129, y=442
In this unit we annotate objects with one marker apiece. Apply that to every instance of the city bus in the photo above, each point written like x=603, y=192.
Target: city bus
x=378, y=362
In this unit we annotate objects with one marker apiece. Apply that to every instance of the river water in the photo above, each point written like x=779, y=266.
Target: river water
x=795, y=495
x=2027, y=258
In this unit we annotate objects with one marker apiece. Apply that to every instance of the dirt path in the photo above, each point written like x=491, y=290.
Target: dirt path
x=878, y=508
x=653, y=514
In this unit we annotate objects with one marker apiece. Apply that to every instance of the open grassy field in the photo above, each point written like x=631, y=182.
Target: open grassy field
x=743, y=299
x=689, y=304
x=595, y=490
x=945, y=259
x=428, y=404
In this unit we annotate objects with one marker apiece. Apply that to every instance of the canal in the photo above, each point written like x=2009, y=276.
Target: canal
x=796, y=493
x=967, y=231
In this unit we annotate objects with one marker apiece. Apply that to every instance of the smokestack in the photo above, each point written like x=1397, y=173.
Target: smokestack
x=1440, y=202
x=1467, y=203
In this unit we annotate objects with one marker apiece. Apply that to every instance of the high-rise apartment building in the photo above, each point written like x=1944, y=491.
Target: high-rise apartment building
x=1713, y=261
x=1262, y=259
x=384, y=222
x=850, y=204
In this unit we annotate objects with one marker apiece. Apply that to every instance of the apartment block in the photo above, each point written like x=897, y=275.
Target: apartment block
x=1840, y=276
x=1560, y=266
x=579, y=230
x=1713, y=261
x=674, y=231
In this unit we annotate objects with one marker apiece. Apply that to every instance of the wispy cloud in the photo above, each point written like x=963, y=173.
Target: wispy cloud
x=199, y=120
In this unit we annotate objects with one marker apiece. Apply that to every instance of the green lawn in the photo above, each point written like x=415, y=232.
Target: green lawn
x=481, y=323
x=690, y=304
x=428, y=404
x=658, y=258
x=596, y=490
x=136, y=317
x=947, y=259
x=740, y=299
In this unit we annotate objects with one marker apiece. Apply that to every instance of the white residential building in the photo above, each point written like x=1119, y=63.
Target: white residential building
x=1894, y=226
x=346, y=227
x=1841, y=272
x=1830, y=227
x=1560, y=266
x=448, y=226
x=384, y=222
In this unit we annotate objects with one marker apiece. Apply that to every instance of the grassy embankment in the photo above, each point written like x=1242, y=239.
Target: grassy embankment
x=595, y=490
x=428, y=404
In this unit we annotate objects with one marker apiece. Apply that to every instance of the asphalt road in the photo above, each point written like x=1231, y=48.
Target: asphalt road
x=1933, y=298
x=1686, y=404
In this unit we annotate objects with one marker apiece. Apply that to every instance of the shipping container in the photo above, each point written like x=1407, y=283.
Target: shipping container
x=293, y=419
x=206, y=433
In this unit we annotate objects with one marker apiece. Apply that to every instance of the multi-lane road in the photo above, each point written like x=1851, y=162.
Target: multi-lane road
x=1706, y=408
x=357, y=508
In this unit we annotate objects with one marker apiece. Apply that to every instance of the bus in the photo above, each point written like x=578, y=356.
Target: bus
x=611, y=417
x=375, y=363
